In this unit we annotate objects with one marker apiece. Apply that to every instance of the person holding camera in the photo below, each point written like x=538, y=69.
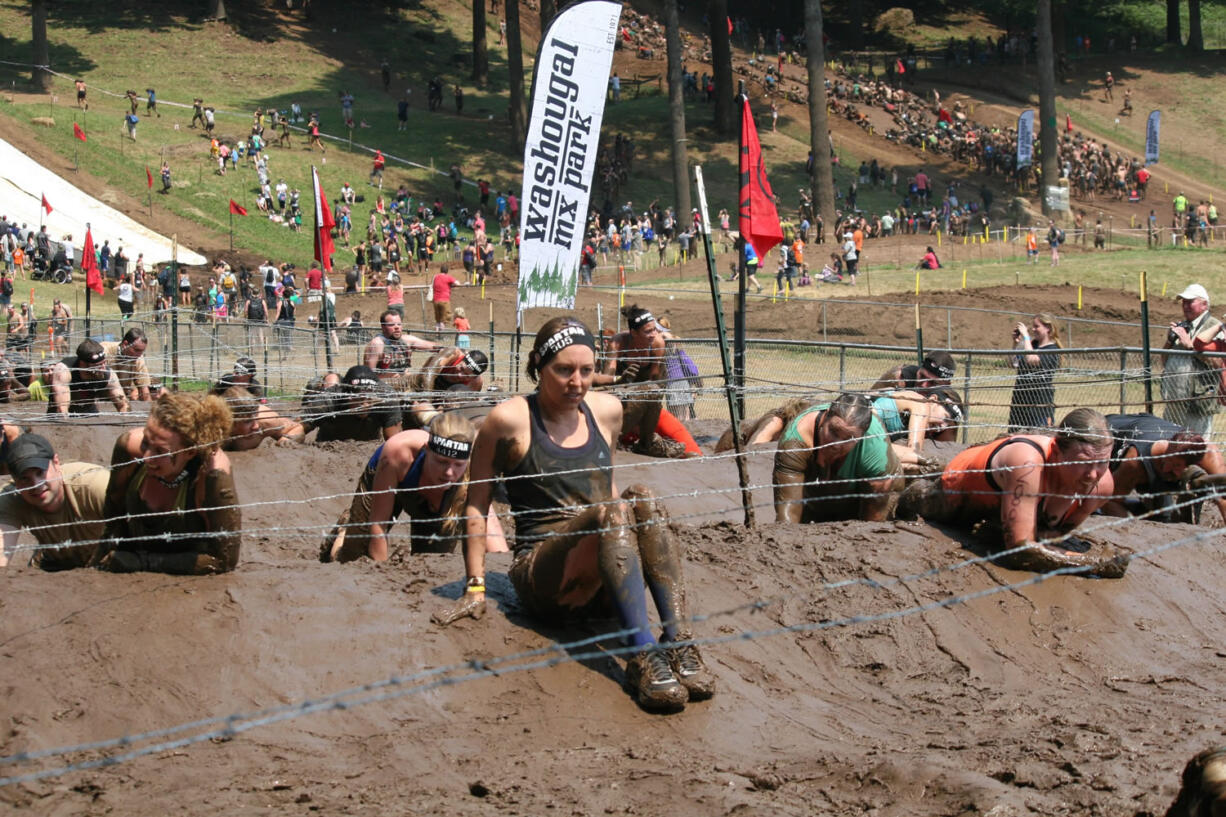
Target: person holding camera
x=1034, y=394
x=1190, y=381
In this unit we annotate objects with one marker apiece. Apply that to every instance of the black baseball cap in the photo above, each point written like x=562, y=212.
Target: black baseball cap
x=941, y=364
x=361, y=378
x=29, y=451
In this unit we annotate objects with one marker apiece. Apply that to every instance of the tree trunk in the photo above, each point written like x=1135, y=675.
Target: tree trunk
x=515, y=65
x=1196, y=40
x=40, y=77
x=549, y=9
x=721, y=56
x=1048, y=130
x=856, y=12
x=481, y=55
x=1172, y=23
x=821, y=179
x=217, y=10
x=676, y=110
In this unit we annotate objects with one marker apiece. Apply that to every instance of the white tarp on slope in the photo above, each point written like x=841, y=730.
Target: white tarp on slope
x=24, y=181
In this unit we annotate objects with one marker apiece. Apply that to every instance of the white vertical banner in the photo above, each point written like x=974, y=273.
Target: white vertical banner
x=1025, y=138
x=568, y=98
x=1152, y=126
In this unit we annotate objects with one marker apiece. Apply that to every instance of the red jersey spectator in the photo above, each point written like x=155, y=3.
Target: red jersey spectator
x=315, y=280
x=377, y=170
x=441, y=291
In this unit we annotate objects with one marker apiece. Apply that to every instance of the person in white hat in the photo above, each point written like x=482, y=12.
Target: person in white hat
x=1190, y=380
x=850, y=256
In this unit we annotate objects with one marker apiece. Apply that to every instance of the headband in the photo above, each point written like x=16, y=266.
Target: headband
x=472, y=364
x=566, y=336
x=644, y=317
x=93, y=357
x=447, y=447
x=362, y=384
x=955, y=413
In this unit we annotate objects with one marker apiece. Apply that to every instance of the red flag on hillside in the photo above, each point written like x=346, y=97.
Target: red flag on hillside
x=1068, y=122
x=729, y=19
x=46, y=204
x=149, y=177
x=899, y=68
x=77, y=132
x=237, y=209
x=323, y=223
x=89, y=263
x=759, y=220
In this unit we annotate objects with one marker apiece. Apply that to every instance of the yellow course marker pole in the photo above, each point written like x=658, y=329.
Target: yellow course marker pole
x=964, y=279
x=1079, y=297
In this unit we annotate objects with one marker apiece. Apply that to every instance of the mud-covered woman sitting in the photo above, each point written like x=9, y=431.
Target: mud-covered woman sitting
x=171, y=505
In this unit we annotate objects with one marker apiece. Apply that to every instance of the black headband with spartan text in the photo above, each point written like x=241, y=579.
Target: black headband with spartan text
x=642, y=319
x=447, y=447
x=566, y=336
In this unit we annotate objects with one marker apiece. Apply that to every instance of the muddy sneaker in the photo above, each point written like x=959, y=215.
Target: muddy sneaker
x=689, y=668
x=653, y=684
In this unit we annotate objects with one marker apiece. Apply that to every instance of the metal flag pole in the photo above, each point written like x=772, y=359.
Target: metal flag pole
x=730, y=389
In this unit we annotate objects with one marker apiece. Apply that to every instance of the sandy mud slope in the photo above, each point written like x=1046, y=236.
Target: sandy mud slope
x=1071, y=696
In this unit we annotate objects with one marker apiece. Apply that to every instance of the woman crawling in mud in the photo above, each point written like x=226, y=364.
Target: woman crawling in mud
x=578, y=548
x=422, y=474
x=171, y=505
x=1038, y=486
x=834, y=461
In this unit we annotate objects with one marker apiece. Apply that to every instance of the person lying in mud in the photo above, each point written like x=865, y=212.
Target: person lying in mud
x=579, y=549
x=254, y=422
x=242, y=376
x=1202, y=792
x=905, y=415
x=1038, y=486
x=914, y=417
x=436, y=384
x=422, y=474
x=937, y=370
x=634, y=362
x=356, y=407
x=1166, y=465
x=639, y=357
x=834, y=461
x=171, y=505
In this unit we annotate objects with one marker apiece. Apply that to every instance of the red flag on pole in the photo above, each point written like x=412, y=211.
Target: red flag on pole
x=1068, y=122
x=899, y=67
x=759, y=220
x=46, y=204
x=77, y=132
x=89, y=263
x=149, y=177
x=729, y=19
x=323, y=223
x=237, y=209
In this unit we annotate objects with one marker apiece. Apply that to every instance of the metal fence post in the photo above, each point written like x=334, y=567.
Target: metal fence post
x=842, y=366
x=966, y=397
x=1123, y=376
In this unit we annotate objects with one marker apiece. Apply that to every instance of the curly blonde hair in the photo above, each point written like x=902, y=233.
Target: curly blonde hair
x=203, y=422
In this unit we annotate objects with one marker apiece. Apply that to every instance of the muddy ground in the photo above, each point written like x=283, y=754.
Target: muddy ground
x=1071, y=696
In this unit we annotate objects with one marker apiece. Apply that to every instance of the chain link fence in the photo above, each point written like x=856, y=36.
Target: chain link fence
x=1110, y=379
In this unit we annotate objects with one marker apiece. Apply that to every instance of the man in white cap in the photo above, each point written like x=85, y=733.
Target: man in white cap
x=1190, y=380
x=59, y=503
x=850, y=256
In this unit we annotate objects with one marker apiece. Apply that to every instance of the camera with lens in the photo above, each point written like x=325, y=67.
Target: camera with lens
x=1187, y=327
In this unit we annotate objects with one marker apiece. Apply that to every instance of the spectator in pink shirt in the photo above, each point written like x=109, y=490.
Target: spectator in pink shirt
x=441, y=292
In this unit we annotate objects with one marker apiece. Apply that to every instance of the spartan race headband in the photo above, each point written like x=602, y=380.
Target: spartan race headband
x=447, y=447
x=472, y=364
x=643, y=318
x=946, y=372
x=566, y=336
